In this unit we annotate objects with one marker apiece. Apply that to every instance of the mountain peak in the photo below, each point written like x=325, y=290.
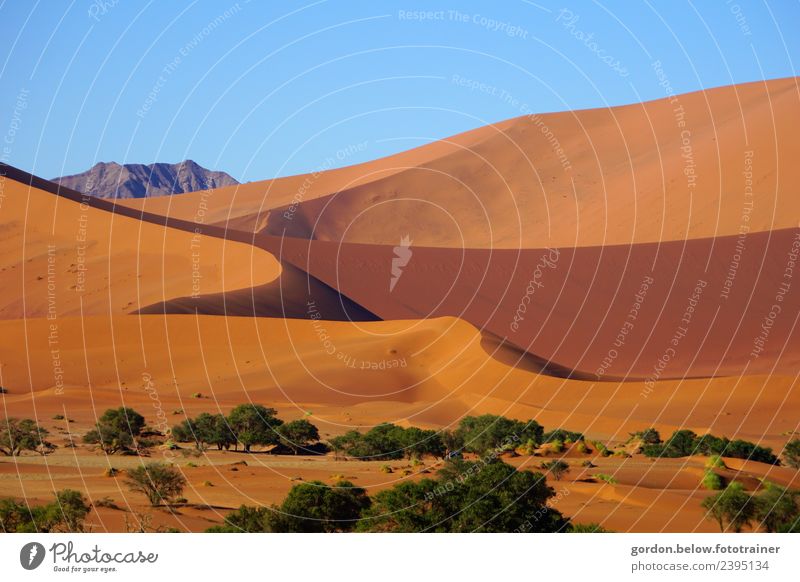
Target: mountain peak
x=113, y=180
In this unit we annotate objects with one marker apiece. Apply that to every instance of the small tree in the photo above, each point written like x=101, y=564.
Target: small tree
x=298, y=434
x=253, y=424
x=732, y=508
x=791, y=452
x=23, y=435
x=777, y=508
x=116, y=430
x=315, y=507
x=556, y=468
x=159, y=482
x=71, y=509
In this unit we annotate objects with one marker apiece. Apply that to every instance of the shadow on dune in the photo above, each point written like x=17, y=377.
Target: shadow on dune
x=293, y=295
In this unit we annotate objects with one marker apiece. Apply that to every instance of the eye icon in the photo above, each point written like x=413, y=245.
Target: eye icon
x=31, y=555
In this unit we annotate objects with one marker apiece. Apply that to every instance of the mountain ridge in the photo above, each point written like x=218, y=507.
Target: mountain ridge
x=119, y=181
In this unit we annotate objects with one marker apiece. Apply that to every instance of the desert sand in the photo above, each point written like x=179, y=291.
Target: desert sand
x=641, y=275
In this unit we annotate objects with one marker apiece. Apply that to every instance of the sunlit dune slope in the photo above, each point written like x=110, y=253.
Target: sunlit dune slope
x=689, y=166
x=426, y=373
x=59, y=257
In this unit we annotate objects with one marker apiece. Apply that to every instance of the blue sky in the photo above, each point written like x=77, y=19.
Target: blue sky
x=264, y=89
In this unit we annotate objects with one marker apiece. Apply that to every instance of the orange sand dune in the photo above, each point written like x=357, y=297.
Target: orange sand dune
x=59, y=257
x=703, y=307
x=697, y=165
x=428, y=373
x=343, y=375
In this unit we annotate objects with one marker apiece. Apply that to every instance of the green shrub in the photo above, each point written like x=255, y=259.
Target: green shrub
x=715, y=462
x=791, y=453
x=712, y=481
x=606, y=478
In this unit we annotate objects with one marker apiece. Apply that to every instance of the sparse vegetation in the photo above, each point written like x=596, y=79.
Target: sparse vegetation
x=67, y=513
x=587, y=528
x=298, y=435
x=159, y=482
x=556, y=468
x=606, y=478
x=17, y=436
x=117, y=430
x=683, y=443
x=712, y=481
x=791, y=453
x=388, y=441
x=732, y=508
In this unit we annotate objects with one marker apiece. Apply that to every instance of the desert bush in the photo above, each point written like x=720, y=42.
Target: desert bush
x=732, y=508
x=159, y=482
x=685, y=442
x=712, y=481
x=649, y=436
x=606, y=478
x=582, y=448
x=791, y=453
x=105, y=502
x=67, y=513
x=17, y=436
x=556, y=468
x=778, y=509
x=117, y=430
x=298, y=434
x=386, y=469
x=562, y=435
x=466, y=497
x=388, y=441
x=254, y=424
x=58, y=417
x=587, y=528
x=715, y=462
x=487, y=433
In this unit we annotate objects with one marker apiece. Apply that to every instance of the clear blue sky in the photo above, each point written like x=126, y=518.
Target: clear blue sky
x=263, y=89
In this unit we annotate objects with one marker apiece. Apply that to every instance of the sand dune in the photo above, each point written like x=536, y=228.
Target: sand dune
x=638, y=272
x=60, y=257
x=691, y=166
x=704, y=307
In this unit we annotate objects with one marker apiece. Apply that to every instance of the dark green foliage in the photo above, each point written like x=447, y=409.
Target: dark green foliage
x=66, y=514
x=778, y=509
x=312, y=507
x=467, y=497
x=298, y=434
x=733, y=509
x=116, y=430
x=683, y=443
x=388, y=441
x=246, y=519
x=23, y=435
x=649, y=436
x=315, y=507
x=791, y=453
x=159, y=482
x=254, y=424
x=562, y=435
x=491, y=433
x=587, y=528
x=206, y=429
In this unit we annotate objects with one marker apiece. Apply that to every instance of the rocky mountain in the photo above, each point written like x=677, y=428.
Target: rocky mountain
x=112, y=180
